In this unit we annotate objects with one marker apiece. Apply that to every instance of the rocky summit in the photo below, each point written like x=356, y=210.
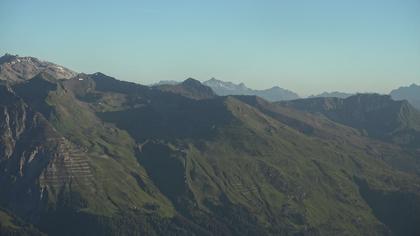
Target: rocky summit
x=15, y=69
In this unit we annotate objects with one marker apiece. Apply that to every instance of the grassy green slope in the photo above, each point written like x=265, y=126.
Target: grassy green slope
x=11, y=225
x=94, y=174
x=160, y=163
x=260, y=163
x=107, y=148
x=288, y=180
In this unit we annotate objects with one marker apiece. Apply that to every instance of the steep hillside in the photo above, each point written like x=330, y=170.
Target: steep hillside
x=377, y=115
x=93, y=155
x=62, y=155
x=240, y=124
x=189, y=88
x=11, y=225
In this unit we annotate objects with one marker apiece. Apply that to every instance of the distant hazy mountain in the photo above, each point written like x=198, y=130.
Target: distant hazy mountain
x=223, y=88
x=165, y=82
x=17, y=69
x=411, y=94
x=334, y=94
x=190, y=88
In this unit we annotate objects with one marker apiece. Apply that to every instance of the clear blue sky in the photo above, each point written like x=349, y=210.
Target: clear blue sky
x=305, y=45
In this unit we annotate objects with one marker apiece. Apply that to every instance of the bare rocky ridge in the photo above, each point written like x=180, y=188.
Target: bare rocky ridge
x=17, y=69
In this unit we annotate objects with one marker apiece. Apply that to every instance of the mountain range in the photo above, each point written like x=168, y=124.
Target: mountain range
x=376, y=115
x=332, y=95
x=88, y=154
x=223, y=88
x=410, y=93
x=274, y=94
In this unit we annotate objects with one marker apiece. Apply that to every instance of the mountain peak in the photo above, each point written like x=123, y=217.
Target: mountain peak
x=15, y=69
x=192, y=82
x=190, y=88
x=100, y=75
x=410, y=93
x=6, y=58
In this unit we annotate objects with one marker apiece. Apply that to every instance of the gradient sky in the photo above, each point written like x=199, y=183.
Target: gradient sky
x=308, y=46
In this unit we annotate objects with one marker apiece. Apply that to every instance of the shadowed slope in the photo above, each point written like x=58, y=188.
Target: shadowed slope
x=190, y=88
x=377, y=115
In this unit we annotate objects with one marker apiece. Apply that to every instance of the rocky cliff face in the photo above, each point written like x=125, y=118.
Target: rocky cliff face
x=38, y=163
x=25, y=152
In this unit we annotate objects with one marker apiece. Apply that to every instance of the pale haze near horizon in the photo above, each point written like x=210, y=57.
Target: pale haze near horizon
x=305, y=46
